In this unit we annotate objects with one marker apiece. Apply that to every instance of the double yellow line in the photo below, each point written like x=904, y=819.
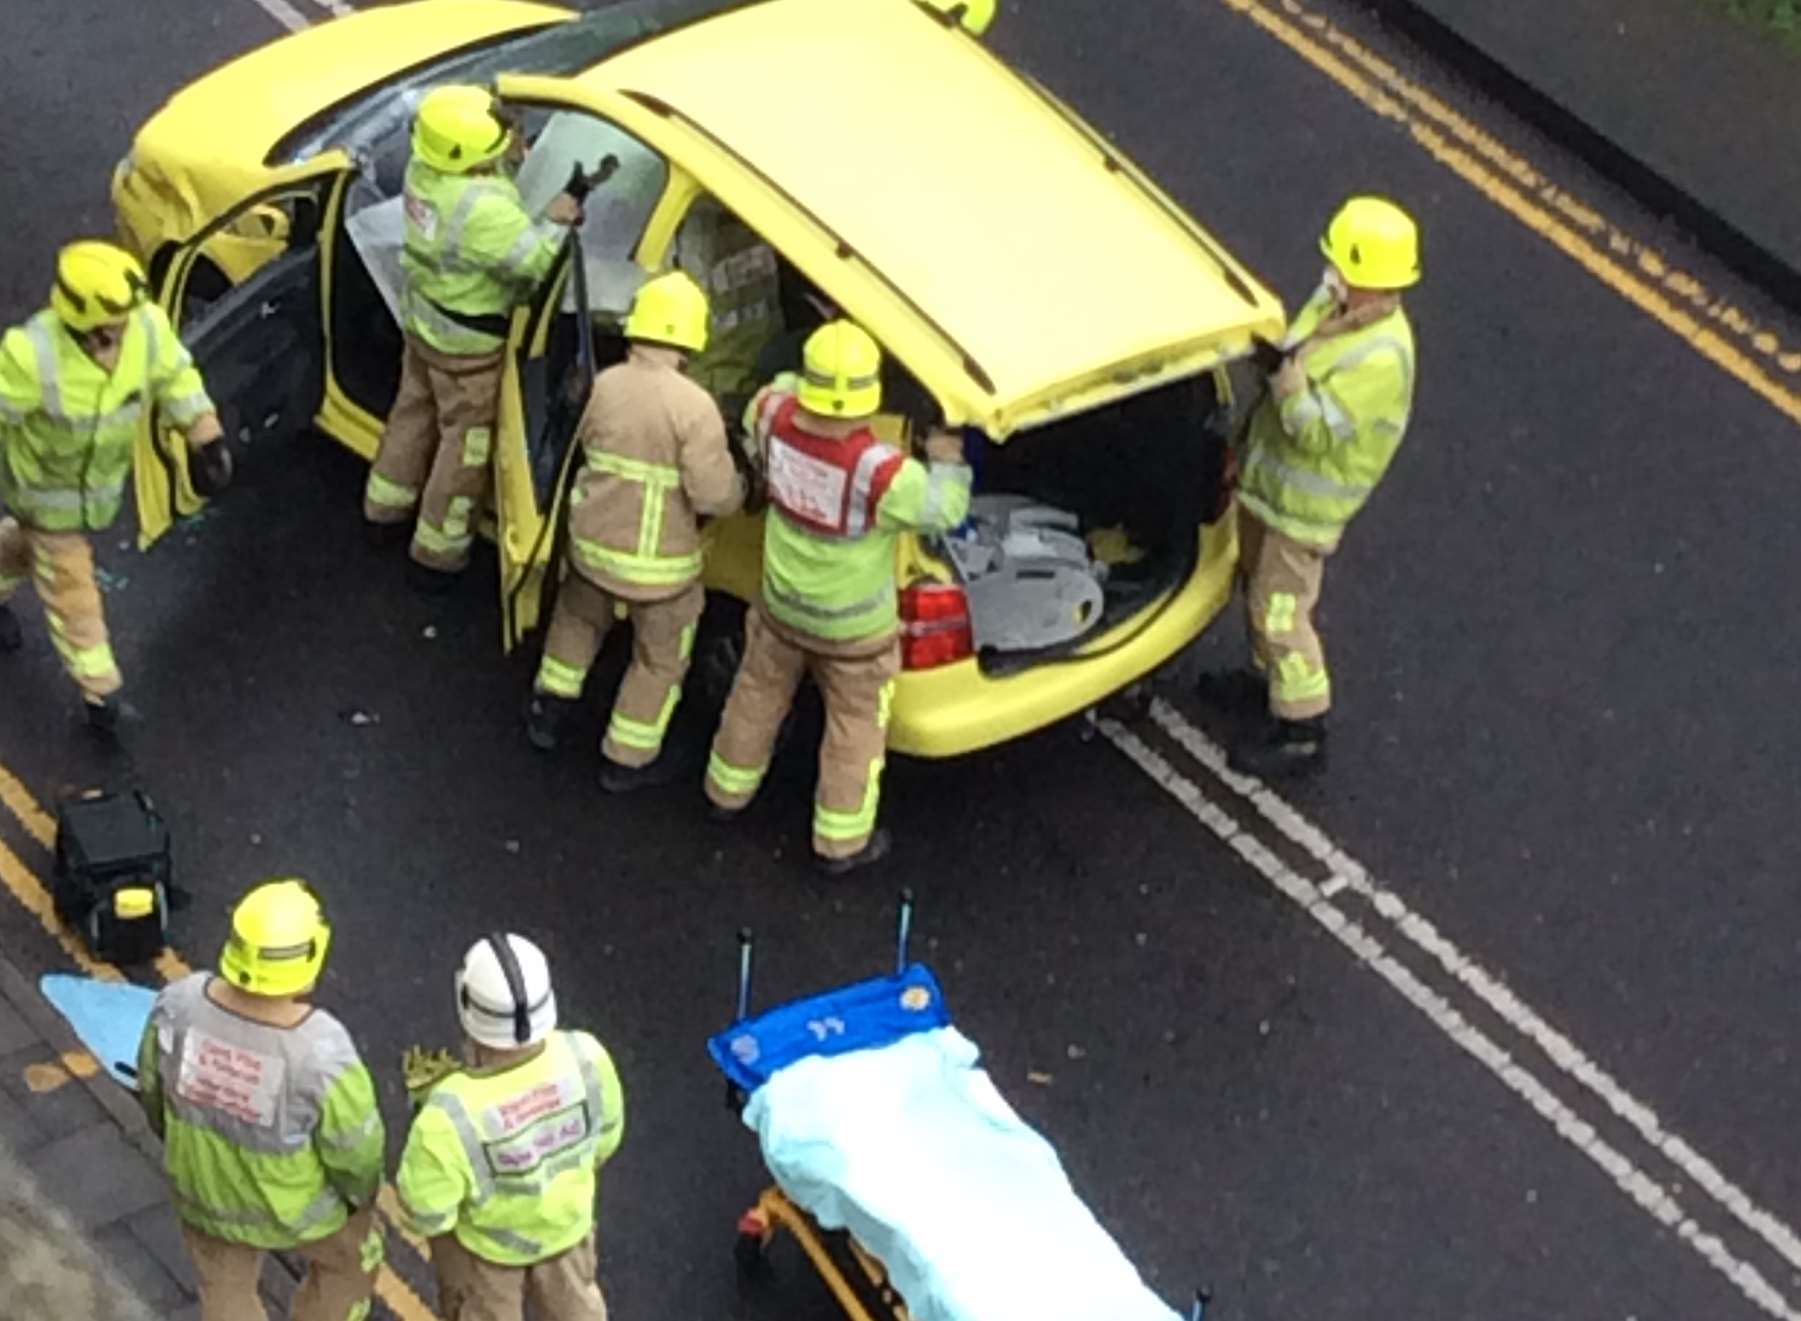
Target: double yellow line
x=1727, y=336
x=34, y=896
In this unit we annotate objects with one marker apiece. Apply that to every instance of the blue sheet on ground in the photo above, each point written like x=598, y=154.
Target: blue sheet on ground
x=109, y=1018
x=875, y=1116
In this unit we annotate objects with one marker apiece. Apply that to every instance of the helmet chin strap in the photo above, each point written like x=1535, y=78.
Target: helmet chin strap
x=515, y=975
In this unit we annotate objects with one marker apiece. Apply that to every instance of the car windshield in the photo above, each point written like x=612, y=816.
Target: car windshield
x=362, y=123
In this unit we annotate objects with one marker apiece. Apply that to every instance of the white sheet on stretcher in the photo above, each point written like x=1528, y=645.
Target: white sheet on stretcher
x=912, y=1149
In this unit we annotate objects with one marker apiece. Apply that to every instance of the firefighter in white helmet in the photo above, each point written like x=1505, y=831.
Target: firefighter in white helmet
x=500, y=1166
x=1340, y=396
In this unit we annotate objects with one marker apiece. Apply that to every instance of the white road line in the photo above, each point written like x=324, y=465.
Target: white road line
x=284, y=13
x=336, y=7
x=1491, y=990
x=1644, y=1191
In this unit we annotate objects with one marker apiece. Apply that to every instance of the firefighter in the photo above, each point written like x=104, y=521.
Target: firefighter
x=471, y=253
x=975, y=15
x=500, y=1167
x=656, y=459
x=271, y=1134
x=1340, y=394
x=838, y=498
x=74, y=382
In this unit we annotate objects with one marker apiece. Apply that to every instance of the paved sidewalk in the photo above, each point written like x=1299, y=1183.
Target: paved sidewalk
x=1693, y=113
x=86, y=1229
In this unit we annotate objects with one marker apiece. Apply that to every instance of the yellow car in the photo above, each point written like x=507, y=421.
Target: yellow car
x=1027, y=282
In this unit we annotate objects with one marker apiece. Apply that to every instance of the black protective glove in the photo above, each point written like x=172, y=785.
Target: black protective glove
x=754, y=495
x=211, y=468
x=1268, y=357
x=581, y=184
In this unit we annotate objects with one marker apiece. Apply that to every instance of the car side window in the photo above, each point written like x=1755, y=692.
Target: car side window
x=253, y=234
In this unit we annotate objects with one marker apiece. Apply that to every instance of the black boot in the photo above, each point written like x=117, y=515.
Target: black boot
x=11, y=636
x=103, y=717
x=1232, y=689
x=874, y=851
x=1284, y=748
x=431, y=582
x=546, y=717
x=617, y=779
x=383, y=536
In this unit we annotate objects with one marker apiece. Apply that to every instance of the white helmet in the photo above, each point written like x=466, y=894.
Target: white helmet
x=503, y=993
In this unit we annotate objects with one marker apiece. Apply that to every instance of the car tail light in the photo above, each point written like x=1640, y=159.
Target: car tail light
x=934, y=626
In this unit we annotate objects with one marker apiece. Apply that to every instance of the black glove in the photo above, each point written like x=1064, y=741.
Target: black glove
x=211, y=468
x=747, y=472
x=580, y=184
x=1268, y=357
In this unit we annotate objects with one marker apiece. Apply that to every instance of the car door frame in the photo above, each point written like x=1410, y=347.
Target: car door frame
x=529, y=535
x=163, y=484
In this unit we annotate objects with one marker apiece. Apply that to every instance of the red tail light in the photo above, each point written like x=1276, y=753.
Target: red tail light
x=934, y=626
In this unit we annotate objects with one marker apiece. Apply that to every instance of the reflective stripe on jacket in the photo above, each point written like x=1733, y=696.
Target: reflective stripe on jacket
x=836, y=508
x=67, y=425
x=271, y=1135
x=1312, y=459
x=655, y=458
x=507, y=1160
x=472, y=252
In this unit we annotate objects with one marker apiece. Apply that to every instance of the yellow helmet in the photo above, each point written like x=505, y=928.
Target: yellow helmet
x=1374, y=244
x=976, y=15
x=841, y=372
x=96, y=283
x=459, y=128
x=278, y=939
x=672, y=310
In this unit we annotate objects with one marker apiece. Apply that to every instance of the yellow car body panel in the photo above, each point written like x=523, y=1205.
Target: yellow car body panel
x=1020, y=268
x=208, y=146
x=1005, y=251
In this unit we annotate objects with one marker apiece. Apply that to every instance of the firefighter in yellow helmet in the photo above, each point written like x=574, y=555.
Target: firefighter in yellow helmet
x=74, y=382
x=471, y=254
x=271, y=1134
x=504, y=1155
x=975, y=15
x=1340, y=394
x=838, y=498
x=656, y=460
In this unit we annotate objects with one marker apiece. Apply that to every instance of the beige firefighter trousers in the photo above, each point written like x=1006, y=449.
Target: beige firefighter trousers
x=1283, y=578
x=435, y=452
x=857, y=690
x=662, y=645
x=340, y=1274
x=561, y=1289
x=61, y=566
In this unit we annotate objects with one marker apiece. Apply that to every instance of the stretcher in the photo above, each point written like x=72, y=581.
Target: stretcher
x=908, y=1182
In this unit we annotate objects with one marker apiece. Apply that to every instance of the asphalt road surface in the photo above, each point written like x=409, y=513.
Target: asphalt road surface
x=1495, y=1021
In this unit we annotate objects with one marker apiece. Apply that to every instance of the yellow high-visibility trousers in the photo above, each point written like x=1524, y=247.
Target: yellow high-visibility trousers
x=61, y=566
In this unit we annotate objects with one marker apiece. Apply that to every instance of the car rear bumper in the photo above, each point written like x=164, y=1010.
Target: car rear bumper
x=955, y=709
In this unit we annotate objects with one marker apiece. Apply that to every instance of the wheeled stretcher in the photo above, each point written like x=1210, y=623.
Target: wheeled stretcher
x=910, y=1184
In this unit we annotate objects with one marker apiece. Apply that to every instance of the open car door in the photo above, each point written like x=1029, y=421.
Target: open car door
x=259, y=346
x=544, y=387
